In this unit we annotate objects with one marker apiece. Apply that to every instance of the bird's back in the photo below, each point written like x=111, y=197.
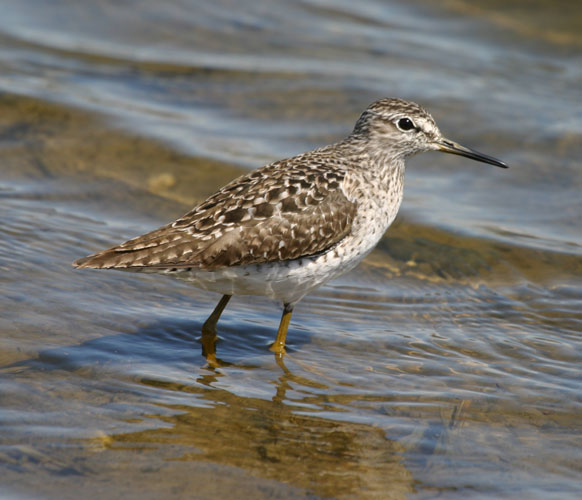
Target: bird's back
x=283, y=211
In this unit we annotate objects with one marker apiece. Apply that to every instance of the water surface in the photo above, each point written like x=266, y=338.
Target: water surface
x=447, y=365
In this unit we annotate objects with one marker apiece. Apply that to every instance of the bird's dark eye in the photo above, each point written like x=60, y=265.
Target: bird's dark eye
x=405, y=124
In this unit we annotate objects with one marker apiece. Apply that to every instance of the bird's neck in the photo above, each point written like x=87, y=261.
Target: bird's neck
x=377, y=160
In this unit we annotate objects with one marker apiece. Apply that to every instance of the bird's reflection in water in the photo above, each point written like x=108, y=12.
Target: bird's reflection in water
x=280, y=436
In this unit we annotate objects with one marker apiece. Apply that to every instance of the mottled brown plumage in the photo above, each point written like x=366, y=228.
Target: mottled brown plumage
x=283, y=211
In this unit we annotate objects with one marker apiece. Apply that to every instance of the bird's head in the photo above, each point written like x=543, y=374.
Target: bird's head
x=401, y=129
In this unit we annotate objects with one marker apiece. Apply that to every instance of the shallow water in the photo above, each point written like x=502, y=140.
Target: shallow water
x=447, y=365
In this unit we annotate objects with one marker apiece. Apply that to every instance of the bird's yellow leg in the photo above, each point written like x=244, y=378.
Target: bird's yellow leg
x=278, y=346
x=209, y=326
x=209, y=331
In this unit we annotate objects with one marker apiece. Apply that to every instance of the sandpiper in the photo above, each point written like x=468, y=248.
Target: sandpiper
x=287, y=228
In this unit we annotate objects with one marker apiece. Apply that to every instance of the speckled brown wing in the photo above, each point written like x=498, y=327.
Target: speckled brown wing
x=286, y=210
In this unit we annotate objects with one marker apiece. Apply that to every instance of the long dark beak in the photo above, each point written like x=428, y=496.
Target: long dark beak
x=447, y=146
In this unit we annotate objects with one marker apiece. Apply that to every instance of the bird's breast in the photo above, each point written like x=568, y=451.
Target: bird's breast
x=378, y=195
